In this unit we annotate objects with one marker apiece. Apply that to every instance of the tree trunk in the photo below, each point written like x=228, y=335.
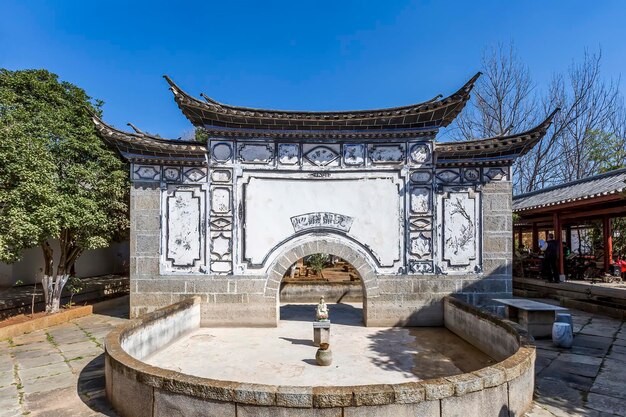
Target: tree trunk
x=54, y=282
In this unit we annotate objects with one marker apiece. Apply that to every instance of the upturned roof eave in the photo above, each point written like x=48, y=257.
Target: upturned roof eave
x=448, y=109
x=508, y=146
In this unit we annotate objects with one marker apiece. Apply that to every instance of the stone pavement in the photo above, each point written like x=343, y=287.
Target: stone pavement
x=587, y=380
x=59, y=371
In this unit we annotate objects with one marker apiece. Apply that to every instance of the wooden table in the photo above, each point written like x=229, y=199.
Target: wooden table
x=534, y=316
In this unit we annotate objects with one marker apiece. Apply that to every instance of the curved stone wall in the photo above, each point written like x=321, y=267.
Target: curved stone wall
x=135, y=388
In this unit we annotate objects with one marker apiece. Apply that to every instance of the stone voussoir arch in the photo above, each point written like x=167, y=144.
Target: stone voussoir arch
x=291, y=251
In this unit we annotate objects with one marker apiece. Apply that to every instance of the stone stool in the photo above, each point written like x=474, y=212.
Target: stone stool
x=564, y=318
x=562, y=335
x=321, y=332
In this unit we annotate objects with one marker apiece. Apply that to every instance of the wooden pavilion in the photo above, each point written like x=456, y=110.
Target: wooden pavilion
x=563, y=207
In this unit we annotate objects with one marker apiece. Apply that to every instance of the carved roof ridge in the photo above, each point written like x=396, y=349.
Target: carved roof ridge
x=434, y=112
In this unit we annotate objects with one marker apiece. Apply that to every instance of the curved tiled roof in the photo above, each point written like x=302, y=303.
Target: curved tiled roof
x=609, y=183
x=433, y=113
x=142, y=147
x=496, y=148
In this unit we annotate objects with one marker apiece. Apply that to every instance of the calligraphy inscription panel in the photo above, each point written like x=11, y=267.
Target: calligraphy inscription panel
x=322, y=219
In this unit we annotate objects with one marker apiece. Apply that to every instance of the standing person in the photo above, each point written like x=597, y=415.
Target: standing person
x=551, y=257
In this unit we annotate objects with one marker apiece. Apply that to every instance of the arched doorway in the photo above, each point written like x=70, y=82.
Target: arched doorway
x=316, y=243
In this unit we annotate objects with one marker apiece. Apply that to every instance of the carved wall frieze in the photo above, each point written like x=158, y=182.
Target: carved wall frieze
x=256, y=153
x=288, y=153
x=386, y=154
x=354, y=154
x=321, y=156
x=147, y=172
x=222, y=152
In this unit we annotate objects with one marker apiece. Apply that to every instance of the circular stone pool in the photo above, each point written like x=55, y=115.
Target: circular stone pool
x=165, y=364
x=285, y=355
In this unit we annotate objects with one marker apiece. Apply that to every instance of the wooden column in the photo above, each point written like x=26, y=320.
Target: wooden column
x=535, y=238
x=607, y=234
x=568, y=235
x=520, y=240
x=558, y=236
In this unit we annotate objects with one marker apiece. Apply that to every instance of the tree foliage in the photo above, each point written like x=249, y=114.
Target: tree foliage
x=57, y=179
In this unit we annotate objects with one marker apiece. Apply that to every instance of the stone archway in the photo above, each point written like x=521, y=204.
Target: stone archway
x=290, y=252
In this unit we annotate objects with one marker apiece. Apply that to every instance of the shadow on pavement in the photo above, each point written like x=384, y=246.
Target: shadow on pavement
x=345, y=314
x=91, y=387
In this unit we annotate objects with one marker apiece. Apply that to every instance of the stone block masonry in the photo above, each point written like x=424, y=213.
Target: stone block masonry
x=389, y=299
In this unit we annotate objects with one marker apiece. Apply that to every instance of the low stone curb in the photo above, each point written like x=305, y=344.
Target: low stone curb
x=54, y=319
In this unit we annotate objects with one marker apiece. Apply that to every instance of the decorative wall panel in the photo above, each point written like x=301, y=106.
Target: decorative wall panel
x=146, y=172
x=288, y=153
x=419, y=223
x=459, y=229
x=255, y=153
x=386, y=154
x=184, y=224
x=354, y=154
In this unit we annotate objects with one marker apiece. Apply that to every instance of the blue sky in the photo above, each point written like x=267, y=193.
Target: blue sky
x=305, y=55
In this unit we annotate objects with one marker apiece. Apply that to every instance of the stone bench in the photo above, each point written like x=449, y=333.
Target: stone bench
x=537, y=318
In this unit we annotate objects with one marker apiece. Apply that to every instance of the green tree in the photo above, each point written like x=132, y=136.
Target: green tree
x=58, y=180
x=608, y=151
x=318, y=262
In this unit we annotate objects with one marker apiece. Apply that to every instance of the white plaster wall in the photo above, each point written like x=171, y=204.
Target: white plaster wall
x=110, y=260
x=373, y=203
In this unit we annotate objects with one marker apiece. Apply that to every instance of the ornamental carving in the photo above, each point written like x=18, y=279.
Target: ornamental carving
x=321, y=156
x=386, y=154
x=354, y=154
x=256, y=153
x=288, y=153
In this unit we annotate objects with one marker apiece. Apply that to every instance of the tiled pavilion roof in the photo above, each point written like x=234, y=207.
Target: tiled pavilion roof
x=607, y=184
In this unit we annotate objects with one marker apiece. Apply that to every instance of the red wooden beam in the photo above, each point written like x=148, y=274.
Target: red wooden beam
x=607, y=234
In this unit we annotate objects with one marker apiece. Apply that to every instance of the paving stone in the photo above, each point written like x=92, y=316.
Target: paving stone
x=50, y=383
x=606, y=404
x=31, y=374
x=58, y=402
x=559, y=399
x=6, y=363
x=29, y=338
x=36, y=361
x=13, y=411
x=618, y=353
x=6, y=379
x=537, y=411
x=610, y=381
x=582, y=359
